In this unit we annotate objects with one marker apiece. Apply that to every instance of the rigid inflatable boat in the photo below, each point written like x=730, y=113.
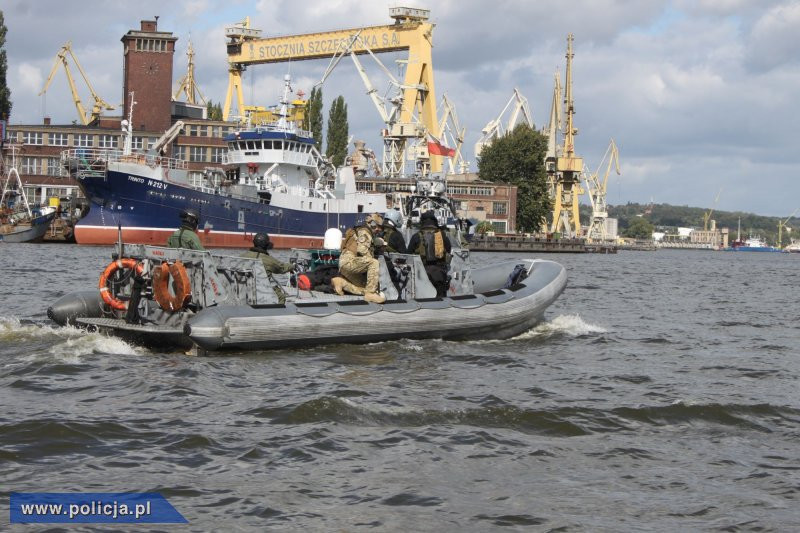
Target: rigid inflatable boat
x=187, y=299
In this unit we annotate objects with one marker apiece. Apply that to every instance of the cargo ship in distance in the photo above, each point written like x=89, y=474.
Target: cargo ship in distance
x=274, y=181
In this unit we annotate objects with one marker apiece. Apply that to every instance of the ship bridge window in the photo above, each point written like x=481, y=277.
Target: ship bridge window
x=251, y=145
x=279, y=145
x=268, y=145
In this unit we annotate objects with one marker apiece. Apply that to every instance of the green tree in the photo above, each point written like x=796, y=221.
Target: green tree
x=639, y=228
x=214, y=111
x=518, y=158
x=313, y=119
x=483, y=227
x=5, y=92
x=337, y=135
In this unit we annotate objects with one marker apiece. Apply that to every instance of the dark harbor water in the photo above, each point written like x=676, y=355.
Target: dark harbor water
x=661, y=394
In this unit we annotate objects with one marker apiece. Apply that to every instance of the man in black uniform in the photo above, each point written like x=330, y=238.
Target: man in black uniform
x=433, y=246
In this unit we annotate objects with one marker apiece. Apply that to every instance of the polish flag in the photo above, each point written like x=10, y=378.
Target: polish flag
x=436, y=148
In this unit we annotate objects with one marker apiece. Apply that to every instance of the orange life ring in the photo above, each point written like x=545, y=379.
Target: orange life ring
x=105, y=292
x=183, y=287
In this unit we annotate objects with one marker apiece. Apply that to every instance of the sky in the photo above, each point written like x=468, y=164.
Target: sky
x=700, y=96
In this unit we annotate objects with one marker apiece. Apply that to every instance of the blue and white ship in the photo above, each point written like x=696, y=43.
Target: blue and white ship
x=274, y=181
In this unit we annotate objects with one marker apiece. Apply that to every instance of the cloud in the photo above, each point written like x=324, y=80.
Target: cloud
x=698, y=94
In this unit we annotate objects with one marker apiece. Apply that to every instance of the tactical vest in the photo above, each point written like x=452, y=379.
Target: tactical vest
x=387, y=236
x=350, y=243
x=431, y=246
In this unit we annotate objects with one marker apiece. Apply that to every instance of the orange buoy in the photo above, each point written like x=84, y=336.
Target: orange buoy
x=183, y=288
x=105, y=291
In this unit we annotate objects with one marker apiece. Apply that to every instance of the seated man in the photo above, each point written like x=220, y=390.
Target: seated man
x=358, y=258
x=260, y=250
x=433, y=247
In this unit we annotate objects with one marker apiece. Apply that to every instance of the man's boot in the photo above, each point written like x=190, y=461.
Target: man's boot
x=374, y=297
x=338, y=284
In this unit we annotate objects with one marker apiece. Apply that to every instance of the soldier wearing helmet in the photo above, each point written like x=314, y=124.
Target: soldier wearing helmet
x=391, y=233
x=186, y=236
x=433, y=247
x=260, y=250
x=358, y=260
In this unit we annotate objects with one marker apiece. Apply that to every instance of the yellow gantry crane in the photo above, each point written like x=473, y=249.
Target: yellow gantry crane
x=707, y=214
x=411, y=31
x=99, y=103
x=782, y=224
x=569, y=167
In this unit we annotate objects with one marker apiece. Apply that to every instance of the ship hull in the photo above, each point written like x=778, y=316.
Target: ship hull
x=147, y=211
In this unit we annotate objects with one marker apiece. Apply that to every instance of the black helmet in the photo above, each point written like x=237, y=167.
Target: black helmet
x=190, y=218
x=428, y=218
x=188, y=214
x=261, y=240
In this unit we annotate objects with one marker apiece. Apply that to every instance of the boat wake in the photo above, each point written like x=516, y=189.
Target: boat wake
x=66, y=343
x=570, y=325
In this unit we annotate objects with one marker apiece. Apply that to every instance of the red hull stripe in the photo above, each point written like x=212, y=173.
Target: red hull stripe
x=210, y=239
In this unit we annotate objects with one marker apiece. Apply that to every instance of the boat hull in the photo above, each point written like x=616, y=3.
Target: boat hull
x=496, y=314
x=147, y=211
x=33, y=233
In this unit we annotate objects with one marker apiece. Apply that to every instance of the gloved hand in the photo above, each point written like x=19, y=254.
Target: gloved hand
x=377, y=241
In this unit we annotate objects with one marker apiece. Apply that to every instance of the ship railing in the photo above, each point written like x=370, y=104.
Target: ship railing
x=92, y=162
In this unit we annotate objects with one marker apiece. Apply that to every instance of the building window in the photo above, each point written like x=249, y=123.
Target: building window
x=137, y=143
x=84, y=140
x=216, y=131
x=499, y=208
x=179, y=152
x=197, y=153
x=499, y=226
x=364, y=186
x=31, y=165
x=108, y=141
x=57, y=139
x=456, y=189
x=196, y=179
x=31, y=137
x=480, y=191
x=217, y=155
x=53, y=166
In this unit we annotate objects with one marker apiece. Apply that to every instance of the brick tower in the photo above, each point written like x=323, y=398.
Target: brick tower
x=147, y=71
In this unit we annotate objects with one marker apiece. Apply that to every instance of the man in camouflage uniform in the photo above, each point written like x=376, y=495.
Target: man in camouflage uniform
x=357, y=258
x=186, y=236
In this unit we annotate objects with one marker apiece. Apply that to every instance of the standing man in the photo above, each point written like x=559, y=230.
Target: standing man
x=433, y=246
x=358, y=258
x=186, y=236
x=260, y=250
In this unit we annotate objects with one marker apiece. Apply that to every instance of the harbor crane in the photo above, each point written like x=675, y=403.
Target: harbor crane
x=410, y=31
x=397, y=136
x=597, y=194
x=495, y=128
x=552, y=131
x=569, y=167
x=707, y=214
x=99, y=104
x=188, y=85
x=782, y=224
x=451, y=133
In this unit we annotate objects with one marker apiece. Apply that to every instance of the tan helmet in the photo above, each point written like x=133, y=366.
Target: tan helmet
x=374, y=220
